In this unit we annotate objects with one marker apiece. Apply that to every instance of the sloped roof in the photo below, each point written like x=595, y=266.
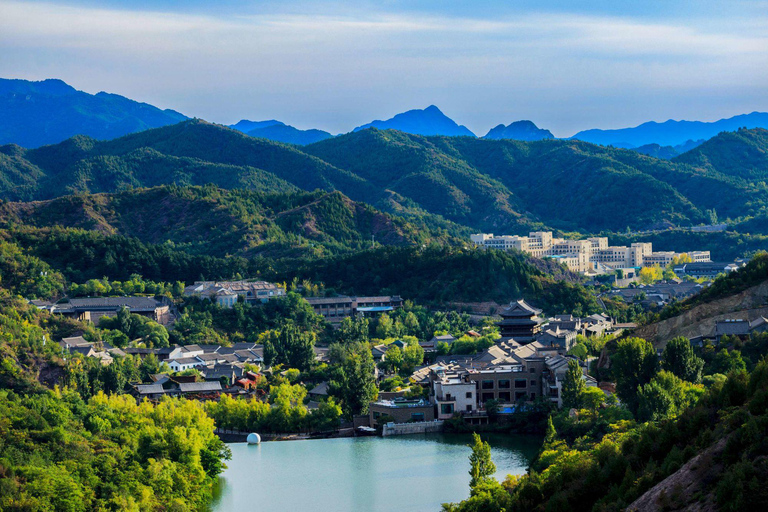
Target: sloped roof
x=320, y=389
x=520, y=308
x=199, y=387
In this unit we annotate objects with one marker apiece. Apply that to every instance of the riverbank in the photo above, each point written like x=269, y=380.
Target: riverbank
x=237, y=436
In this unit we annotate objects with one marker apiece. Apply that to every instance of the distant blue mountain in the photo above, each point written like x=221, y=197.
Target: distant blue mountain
x=34, y=114
x=246, y=126
x=671, y=133
x=285, y=133
x=430, y=121
x=519, y=130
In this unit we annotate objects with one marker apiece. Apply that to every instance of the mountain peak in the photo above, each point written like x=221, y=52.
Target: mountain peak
x=429, y=121
x=519, y=130
x=245, y=125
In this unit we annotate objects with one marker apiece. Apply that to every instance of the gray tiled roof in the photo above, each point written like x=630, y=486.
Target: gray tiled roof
x=198, y=387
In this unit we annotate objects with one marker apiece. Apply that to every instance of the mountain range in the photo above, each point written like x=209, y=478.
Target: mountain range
x=280, y=132
x=489, y=185
x=33, y=114
x=671, y=133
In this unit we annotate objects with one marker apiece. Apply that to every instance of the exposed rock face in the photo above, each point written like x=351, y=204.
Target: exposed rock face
x=690, y=488
x=700, y=321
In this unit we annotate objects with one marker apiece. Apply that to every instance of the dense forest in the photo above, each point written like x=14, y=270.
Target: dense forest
x=492, y=185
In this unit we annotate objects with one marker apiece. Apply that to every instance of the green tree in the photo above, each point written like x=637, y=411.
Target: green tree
x=393, y=360
x=290, y=346
x=353, y=330
x=573, y=385
x=633, y=364
x=384, y=326
x=413, y=356
x=726, y=361
x=679, y=358
x=354, y=380
x=481, y=465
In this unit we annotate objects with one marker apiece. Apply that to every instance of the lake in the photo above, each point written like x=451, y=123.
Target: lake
x=402, y=473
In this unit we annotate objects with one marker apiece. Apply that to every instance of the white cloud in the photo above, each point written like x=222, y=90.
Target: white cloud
x=356, y=67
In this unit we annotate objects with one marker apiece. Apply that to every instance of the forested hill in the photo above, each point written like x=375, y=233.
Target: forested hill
x=218, y=222
x=741, y=154
x=490, y=185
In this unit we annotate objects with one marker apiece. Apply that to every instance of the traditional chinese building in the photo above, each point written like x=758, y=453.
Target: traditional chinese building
x=521, y=322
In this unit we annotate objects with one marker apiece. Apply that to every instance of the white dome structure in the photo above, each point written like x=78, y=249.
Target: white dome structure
x=253, y=438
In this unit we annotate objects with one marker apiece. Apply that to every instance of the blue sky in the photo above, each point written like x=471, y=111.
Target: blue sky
x=335, y=65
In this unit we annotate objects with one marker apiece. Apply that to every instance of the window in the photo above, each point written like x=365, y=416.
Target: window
x=520, y=395
x=521, y=383
x=533, y=396
x=487, y=384
x=532, y=370
x=504, y=396
x=469, y=408
x=469, y=394
x=446, y=409
x=504, y=384
x=417, y=416
x=533, y=383
x=487, y=396
x=448, y=397
x=376, y=414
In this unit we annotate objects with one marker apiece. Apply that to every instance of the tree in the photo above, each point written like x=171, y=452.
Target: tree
x=727, y=361
x=353, y=330
x=481, y=465
x=679, y=358
x=384, y=326
x=393, y=360
x=649, y=275
x=573, y=385
x=413, y=355
x=666, y=396
x=654, y=402
x=290, y=346
x=354, y=379
x=633, y=364
x=592, y=398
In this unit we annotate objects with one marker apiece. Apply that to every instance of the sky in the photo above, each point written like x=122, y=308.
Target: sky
x=334, y=65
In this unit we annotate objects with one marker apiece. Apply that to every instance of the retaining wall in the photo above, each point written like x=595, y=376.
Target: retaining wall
x=419, y=427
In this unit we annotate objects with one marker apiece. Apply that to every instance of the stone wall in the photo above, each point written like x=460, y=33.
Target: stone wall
x=419, y=427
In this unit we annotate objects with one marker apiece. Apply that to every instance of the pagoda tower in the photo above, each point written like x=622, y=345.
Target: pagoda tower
x=520, y=321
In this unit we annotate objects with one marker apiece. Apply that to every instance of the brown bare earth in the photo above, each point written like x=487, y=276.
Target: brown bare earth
x=690, y=488
x=700, y=320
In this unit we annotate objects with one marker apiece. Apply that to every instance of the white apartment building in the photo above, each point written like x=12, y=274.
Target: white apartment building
x=453, y=394
x=585, y=256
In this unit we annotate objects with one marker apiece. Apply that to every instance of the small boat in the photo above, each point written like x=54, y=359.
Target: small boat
x=366, y=431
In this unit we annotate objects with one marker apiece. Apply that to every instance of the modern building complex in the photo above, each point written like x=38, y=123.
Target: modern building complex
x=226, y=293
x=592, y=255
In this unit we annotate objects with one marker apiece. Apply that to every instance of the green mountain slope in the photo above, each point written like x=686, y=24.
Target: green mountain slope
x=741, y=154
x=217, y=222
x=415, y=168
x=489, y=185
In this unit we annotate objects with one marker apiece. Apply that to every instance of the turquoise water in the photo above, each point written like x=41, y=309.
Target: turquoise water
x=402, y=473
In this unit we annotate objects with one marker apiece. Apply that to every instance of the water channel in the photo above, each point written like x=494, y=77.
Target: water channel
x=399, y=473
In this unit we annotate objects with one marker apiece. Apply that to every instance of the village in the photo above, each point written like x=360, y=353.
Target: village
x=525, y=361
